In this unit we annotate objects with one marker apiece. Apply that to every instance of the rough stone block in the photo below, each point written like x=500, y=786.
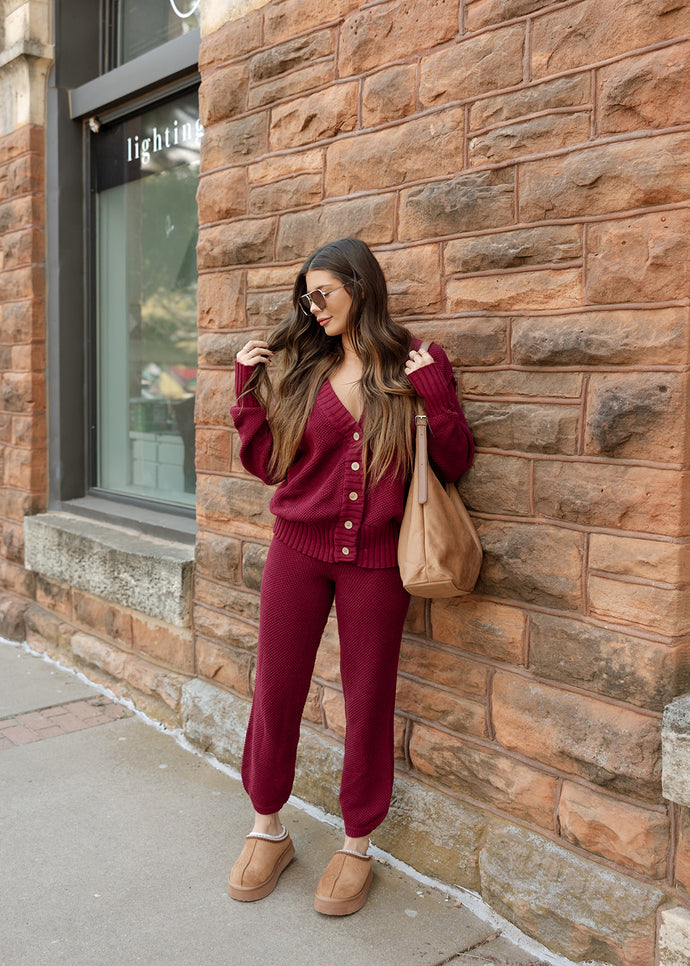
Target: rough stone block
x=148, y=574
x=634, y=838
x=163, y=686
x=435, y=835
x=469, y=341
x=333, y=705
x=253, y=562
x=287, y=86
x=536, y=135
x=219, y=594
x=607, y=178
x=571, y=904
x=234, y=141
x=97, y=653
x=284, y=20
x=280, y=166
x=645, y=91
x=414, y=285
x=631, y=669
x=482, y=627
x=675, y=741
x=225, y=35
x=603, y=743
x=528, y=291
x=615, y=496
x=674, y=937
x=448, y=669
x=516, y=382
x=237, y=243
x=297, y=192
x=638, y=416
x=483, y=775
x=420, y=148
x=643, y=259
x=662, y=609
x=497, y=484
x=224, y=665
x=473, y=66
x=267, y=308
x=525, y=427
x=314, y=117
x=371, y=218
x=596, y=30
x=223, y=93
x=389, y=95
x=469, y=202
x=572, y=91
x=220, y=348
x=220, y=300
x=622, y=337
x=483, y=13
x=298, y=52
x=162, y=642
x=219, y=626
x=102, y=617
x=214, y=720
x=393, y=31
x=513, y=249
x=682, y=852
x=218, y=556
x=12, y=611
x=640, y=557
x=213, y=450
x=538, y=564
x=441, y=707
x=214, y=396
x=221, y=195
x=242, y=502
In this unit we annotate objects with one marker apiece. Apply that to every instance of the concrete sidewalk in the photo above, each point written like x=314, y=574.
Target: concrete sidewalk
x=116, y=843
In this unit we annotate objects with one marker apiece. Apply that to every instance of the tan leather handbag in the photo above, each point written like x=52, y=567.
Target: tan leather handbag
x=439, y=553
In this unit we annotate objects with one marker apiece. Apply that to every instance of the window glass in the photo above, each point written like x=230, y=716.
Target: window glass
x=146, y=174
x=142, y=25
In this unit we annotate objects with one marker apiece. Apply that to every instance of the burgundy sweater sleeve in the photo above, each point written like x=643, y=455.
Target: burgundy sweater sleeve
x=249, y=417
x=451, y=446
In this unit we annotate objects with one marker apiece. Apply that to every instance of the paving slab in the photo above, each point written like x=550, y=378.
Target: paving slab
x=116, y=843
x=28, y=683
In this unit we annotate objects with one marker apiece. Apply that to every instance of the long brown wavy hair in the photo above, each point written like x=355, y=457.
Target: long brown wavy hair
x=305, y=356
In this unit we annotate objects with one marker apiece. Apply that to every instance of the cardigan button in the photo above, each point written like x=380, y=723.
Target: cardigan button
x=346, y=551
x=355, y=435
x=354, y=466
x=353, y=496
x=349, y=524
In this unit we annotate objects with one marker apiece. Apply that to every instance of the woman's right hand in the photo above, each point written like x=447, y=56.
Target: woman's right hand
x=254, y=352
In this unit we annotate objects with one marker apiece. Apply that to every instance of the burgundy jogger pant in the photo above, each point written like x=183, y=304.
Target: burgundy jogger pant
x=296, y=596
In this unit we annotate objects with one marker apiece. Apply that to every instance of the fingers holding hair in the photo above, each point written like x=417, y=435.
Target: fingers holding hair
x=417, y=360
x=254, y=352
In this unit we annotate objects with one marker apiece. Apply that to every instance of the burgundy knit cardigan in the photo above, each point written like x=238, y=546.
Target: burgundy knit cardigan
x=322, y=508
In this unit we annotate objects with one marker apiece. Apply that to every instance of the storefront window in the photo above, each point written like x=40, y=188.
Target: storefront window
x=141, y=25
x=146, y=177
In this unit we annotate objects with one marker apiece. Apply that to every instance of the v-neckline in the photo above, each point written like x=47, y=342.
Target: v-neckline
x=341, y=404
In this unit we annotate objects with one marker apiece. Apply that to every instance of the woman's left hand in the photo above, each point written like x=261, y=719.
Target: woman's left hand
x=417, y=360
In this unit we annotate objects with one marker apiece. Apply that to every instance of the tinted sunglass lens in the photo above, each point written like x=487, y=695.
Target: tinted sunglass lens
x=318, y=299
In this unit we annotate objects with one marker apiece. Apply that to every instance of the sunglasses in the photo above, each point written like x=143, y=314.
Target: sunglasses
x=317, y=298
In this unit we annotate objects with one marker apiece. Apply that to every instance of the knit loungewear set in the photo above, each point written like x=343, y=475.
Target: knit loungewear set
x=335, y=539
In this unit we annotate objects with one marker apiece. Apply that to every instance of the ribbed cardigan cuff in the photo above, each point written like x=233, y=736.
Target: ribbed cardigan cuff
x=430, y=384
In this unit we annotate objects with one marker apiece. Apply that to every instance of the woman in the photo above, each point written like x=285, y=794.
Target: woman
x=336, y=432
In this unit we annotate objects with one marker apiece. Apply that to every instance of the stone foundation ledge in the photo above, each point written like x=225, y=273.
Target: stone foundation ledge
x=570, y=904
x=146, y=573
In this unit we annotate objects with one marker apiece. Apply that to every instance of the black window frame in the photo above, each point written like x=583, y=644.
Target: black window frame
x=82, y=93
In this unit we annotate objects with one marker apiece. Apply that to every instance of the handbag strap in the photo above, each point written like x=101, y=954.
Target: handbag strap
x=421, y=420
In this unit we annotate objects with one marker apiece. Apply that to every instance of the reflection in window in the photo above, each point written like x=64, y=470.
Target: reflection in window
x=141, y=25
x=147, y=173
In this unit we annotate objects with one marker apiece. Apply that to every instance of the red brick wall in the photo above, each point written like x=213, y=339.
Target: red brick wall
x=520, y=168
x=23, y=473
